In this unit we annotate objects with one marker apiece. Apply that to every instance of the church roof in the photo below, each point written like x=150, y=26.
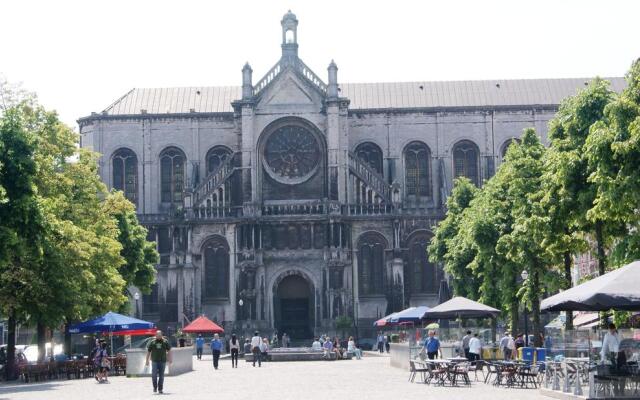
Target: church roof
x=369, y=96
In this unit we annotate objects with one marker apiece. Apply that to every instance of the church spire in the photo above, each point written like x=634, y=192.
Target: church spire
x=289, y=35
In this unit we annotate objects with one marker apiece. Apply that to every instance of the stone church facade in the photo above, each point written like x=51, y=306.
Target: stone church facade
x=286, y=203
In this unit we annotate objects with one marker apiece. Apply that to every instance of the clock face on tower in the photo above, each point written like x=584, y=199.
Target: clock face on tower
x=291, y=154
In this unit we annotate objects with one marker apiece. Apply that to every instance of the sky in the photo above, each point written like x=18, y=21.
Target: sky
x=80, y=56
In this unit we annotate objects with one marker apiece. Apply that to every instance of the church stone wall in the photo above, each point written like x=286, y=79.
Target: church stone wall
x=270, y=231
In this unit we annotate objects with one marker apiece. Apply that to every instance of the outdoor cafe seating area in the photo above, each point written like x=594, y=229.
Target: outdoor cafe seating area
x=458, y=371
x=69, y=369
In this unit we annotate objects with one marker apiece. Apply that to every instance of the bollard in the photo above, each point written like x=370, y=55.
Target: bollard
x=578, y=389
x=556, y=378
x=566, y=387
x=592, y=385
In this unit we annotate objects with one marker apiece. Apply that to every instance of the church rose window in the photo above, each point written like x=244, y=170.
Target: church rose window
x=371, y=262
x=125, y=173
x=371, y=154
x=292, y=154
x=216, y=268
x=216, y=156
x=465, y=161
x=417, y=158
x=172, y=176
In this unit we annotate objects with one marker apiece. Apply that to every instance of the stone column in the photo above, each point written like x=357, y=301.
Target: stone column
x=337, y=140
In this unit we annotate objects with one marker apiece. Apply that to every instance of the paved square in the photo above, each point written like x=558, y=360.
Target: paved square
x=370, y=378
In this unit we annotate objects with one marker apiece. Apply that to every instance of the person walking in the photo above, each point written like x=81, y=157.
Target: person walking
x=96, y=361
x=387, y=343
x=380, y=342
x=504, y=341
x=256, y=341
x=104, y=365
x=432, y=346
x=511, y=347
x=234, y=348
x=285, y=340
x=159, y=351
x=216, y=348
x=475, y=349
x=199, y=346
x=465, y=344
x=264, y=349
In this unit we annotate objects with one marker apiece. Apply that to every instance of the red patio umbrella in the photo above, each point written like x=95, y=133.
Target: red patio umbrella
x=202, y=325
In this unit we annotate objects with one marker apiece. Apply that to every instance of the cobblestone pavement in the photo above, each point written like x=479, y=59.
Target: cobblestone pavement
x=369, y=379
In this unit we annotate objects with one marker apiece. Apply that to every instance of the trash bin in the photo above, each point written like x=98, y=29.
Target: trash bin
x=528, y=354
x=541, y=354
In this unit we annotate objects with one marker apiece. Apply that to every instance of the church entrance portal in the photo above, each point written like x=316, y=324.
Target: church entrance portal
x=293, y=305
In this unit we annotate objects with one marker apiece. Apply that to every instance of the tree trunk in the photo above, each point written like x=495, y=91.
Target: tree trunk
x=535, y=309
x=67, y=340
x=10, y=368
x=602, y=261
x=514, y=317
x=568, y=263
x=41, y=332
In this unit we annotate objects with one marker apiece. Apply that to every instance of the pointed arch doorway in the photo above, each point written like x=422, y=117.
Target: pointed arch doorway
x=293, y=304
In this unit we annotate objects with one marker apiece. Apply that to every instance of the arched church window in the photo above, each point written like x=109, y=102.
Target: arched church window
x=417, y=160
x=505, y=146
x=172, y=175
x=465, y=161
x=421, y=274
x=371, y=261
x=125, y=173
x=216, y=156
x=216, y=268
x=371, y=154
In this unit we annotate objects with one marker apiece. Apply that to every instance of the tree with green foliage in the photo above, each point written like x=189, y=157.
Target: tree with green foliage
x=446, y=246
x=139, y=254
x=79, y=275
x=21, y=224
x=612, y=151
x=568, y=194
x=523, y=173
x=487, y=219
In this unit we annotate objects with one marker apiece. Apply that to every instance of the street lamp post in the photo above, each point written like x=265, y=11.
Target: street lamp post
x=525, y=275
x=136, y=297
x=240, y=316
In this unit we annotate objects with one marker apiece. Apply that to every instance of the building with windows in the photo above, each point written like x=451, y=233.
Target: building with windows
x=289, y=201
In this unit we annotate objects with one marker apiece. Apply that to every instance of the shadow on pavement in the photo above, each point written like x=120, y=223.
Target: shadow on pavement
x=26, y=387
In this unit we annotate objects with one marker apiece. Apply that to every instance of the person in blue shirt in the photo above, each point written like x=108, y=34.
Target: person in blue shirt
x=216, y=348
x=199, y=346
x=432, y=346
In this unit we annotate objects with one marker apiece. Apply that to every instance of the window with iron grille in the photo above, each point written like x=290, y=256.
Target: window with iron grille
x=125, y=173
x=371, y=154
x=417, y=159
x=172, y=175
x=465, y=161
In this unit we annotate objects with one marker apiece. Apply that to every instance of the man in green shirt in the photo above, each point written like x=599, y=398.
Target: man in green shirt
x=159, y=350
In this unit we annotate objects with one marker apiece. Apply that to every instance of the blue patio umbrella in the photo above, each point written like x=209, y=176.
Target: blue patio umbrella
x=110, y=322
x=411, y=314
